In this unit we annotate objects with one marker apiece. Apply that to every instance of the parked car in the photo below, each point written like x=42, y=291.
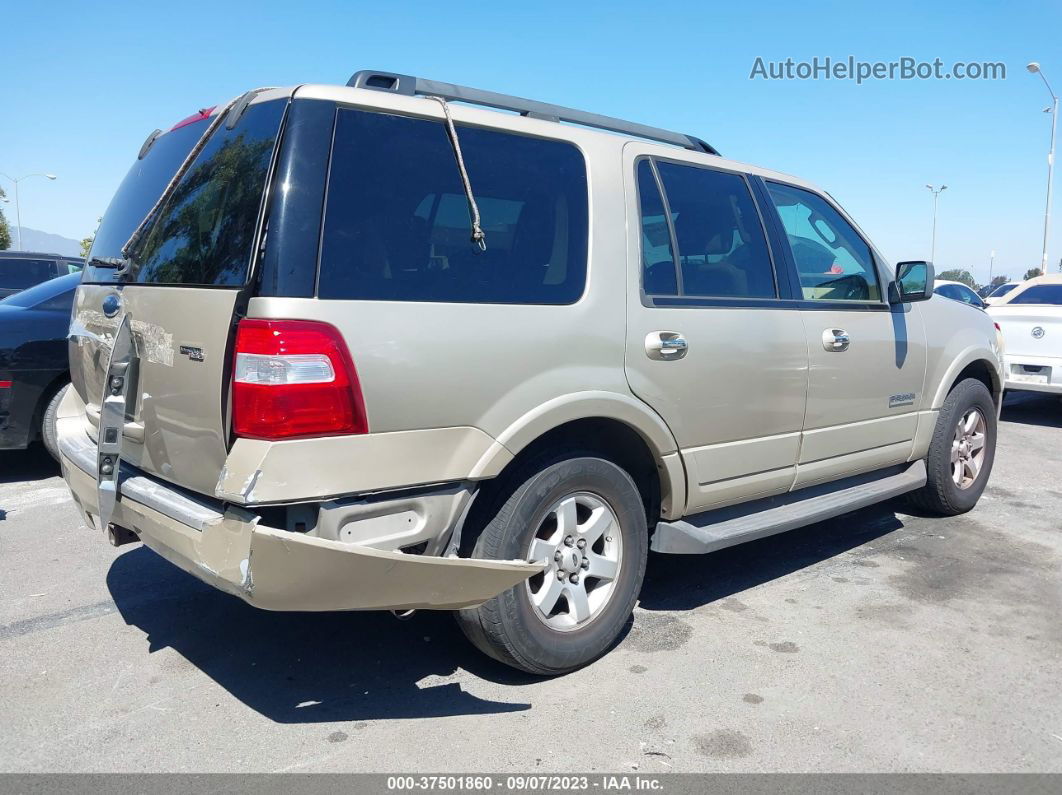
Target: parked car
x=957, y=291
x=487, y=366
x=22, y=269
x=33, y=361
x=1000, y=292
x=1030, y=317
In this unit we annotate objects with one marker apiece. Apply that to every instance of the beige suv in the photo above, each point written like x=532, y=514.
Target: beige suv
x=381, y=346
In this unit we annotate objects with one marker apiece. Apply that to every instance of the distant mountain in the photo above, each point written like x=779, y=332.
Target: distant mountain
x=45, y=242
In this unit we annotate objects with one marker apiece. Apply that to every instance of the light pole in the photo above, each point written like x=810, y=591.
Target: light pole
x=1034, y=67
x=991, y=265
x=18, y=214
x=936, y=192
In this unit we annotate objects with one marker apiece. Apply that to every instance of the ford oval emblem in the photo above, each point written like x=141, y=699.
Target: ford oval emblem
x=111, y=304
x=1038, y=332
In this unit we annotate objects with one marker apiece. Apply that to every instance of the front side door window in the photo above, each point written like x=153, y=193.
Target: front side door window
x=833, y=262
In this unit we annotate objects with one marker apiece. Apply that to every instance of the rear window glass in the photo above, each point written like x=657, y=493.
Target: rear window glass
x=204, y=232
x=1040, y=294
x=18, y=274
x=397, y=223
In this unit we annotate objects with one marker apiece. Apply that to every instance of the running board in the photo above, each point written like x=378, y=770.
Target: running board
x=718, y=529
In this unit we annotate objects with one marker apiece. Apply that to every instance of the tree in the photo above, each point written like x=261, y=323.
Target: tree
x=1032, y=273
x=86, y=243
x=998, y=280
x=958, y=275
x=5, y=230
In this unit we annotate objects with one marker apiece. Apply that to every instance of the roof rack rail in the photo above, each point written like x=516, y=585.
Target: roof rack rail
x=419, y=86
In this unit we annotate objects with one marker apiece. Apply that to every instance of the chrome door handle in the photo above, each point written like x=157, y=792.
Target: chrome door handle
x=665, y=345
x=835, y=340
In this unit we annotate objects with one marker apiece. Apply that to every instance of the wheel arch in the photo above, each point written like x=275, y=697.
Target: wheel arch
x=976, y=364
x=619, y=427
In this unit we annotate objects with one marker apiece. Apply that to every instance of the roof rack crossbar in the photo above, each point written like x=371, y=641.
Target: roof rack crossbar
x=419, y=86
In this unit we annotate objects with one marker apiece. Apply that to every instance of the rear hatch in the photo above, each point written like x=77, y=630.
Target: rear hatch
x=180, y=285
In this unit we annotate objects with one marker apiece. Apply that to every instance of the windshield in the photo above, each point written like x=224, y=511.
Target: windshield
x=17, y=273
x=1002, y=290
x=52, y=294
x=203, y=232
x=1049, y=294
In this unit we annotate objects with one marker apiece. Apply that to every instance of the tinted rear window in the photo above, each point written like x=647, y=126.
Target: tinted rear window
x=203, y=234
x=397, y=224
x=21, y=273
x=1040, y=294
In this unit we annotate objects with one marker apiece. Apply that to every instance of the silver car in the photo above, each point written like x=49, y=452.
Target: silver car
x=382, y=346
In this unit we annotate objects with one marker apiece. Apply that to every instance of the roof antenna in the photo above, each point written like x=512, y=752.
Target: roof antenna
x=479, y=237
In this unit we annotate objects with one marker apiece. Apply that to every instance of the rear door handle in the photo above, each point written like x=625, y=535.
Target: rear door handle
x=835, y=340
x=665, y=345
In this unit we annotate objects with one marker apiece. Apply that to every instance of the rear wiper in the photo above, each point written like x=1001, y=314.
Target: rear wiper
x=121, y=265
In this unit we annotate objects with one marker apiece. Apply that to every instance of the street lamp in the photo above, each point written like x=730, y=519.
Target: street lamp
x=18, y=214
x=1034, y=67
x=936, y=192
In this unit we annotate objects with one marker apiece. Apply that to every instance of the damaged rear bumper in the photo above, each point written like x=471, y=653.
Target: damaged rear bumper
x=228, y=547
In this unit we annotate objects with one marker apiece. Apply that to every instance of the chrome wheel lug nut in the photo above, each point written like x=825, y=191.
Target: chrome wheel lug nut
x=560, y=576
x=574, y=579
x=568, y=541
x=581, y=543
x=585, y=564
x=557, y=556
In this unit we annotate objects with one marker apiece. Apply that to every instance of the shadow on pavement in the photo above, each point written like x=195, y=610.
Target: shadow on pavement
x=685, y=582
x=1031, y=408
x=306, y=667
x=315, y=667
x=31, y=464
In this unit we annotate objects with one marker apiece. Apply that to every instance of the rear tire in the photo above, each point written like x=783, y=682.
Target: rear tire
x=962, y=451
x=49, y=434
x=585, y=517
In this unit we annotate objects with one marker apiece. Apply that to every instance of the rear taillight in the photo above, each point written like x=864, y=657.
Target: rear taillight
x=294, y=378
x=998, y=327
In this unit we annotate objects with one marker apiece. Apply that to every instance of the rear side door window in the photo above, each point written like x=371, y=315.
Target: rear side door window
x=397, y=224
x=715, y=239
x=833, y=261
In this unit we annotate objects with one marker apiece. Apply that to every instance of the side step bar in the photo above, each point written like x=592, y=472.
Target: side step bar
x=714, y=530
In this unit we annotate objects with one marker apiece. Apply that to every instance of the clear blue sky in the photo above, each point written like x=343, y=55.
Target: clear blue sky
x=86, y=83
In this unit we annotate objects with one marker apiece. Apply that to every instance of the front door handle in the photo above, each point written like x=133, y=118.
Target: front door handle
x=665, y=346
x=835, y=340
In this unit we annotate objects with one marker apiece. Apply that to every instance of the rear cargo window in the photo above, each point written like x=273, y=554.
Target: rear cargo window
x=397, y=223
x=1049, y=294
x=204, y=232
x=21, y=273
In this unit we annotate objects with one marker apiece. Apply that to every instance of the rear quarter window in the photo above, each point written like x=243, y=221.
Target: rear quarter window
x=397, y=225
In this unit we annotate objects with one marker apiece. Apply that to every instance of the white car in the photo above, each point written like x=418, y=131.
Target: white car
x=1000, y=292
x=957, y=291
x=1030, y=317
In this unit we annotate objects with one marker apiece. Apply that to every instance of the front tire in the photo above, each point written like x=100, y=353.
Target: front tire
x=962, y=451
x=584, y=517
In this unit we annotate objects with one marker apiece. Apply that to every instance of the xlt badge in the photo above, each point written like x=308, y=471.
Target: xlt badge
x=192, y=352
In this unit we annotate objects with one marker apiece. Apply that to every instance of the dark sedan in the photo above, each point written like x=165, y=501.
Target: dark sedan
x=33, y=361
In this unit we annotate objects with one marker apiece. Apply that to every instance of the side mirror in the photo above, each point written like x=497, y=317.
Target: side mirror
x=914, y=282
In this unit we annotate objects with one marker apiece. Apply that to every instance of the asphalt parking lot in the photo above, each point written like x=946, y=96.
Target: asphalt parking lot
x=879, y=641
